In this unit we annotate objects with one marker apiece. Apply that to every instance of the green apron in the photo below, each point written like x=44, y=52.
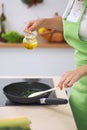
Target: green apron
x=78, y=97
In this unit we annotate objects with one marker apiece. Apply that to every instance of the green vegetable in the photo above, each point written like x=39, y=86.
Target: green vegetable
x=27, y=93
x=12, y=36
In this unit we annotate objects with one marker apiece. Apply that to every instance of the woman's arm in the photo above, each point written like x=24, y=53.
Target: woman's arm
x=51, y=23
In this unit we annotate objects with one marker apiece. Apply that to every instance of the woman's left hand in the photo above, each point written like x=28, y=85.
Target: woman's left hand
x=70, y=77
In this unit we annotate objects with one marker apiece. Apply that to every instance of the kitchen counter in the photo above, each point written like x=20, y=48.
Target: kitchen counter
x=48, y=117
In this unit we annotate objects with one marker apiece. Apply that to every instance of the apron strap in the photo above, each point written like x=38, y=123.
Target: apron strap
x=83, y=10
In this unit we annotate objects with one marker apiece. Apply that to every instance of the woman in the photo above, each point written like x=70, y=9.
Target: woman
x=74, y=26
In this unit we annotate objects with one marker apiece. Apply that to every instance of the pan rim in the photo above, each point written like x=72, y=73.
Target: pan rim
x=21, y=97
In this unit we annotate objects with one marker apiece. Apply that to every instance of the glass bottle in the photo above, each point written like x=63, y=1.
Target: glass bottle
x=30, y=41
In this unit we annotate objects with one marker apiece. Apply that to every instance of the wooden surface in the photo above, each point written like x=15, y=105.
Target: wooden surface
x=42, y=43
x=49, y=117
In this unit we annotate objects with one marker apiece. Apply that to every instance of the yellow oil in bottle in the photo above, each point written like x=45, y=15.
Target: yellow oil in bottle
x=30, y=41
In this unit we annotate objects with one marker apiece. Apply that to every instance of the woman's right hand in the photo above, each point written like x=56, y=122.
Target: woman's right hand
x=70, y=77
x=32, y=26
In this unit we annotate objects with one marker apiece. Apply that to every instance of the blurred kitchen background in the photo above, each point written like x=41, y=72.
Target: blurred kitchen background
x=40, y=61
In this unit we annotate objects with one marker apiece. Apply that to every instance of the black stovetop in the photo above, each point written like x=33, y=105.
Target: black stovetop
x=6, y=81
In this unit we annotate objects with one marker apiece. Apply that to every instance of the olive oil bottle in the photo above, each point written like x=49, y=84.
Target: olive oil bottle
x=30, y=41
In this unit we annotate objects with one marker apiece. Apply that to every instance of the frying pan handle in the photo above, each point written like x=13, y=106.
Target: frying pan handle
x=53, y=101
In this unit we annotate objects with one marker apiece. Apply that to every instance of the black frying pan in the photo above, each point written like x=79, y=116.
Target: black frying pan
x=17, y=92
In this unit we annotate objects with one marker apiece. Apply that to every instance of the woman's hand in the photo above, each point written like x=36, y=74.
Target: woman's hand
x=32, y=25
x=70, y=77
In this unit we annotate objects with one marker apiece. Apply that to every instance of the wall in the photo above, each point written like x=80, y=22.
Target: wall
x=20, y=61
x=17, y=13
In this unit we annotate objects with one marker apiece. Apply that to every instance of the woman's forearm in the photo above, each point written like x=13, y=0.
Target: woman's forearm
x=83, y=70
x=52, y=23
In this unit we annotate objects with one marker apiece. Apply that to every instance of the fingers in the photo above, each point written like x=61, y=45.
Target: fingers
x=72, y=81
x=65, y=84
x=32, y=26
x=28, y=27
x=66, y=80
x=62, y=80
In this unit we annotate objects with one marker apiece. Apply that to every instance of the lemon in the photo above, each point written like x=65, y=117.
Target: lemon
x=41, y=30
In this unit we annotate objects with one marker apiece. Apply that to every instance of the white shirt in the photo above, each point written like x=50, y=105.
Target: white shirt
x=73, y=12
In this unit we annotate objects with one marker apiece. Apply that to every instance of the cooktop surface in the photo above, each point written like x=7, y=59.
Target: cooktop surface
x=4, y=101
